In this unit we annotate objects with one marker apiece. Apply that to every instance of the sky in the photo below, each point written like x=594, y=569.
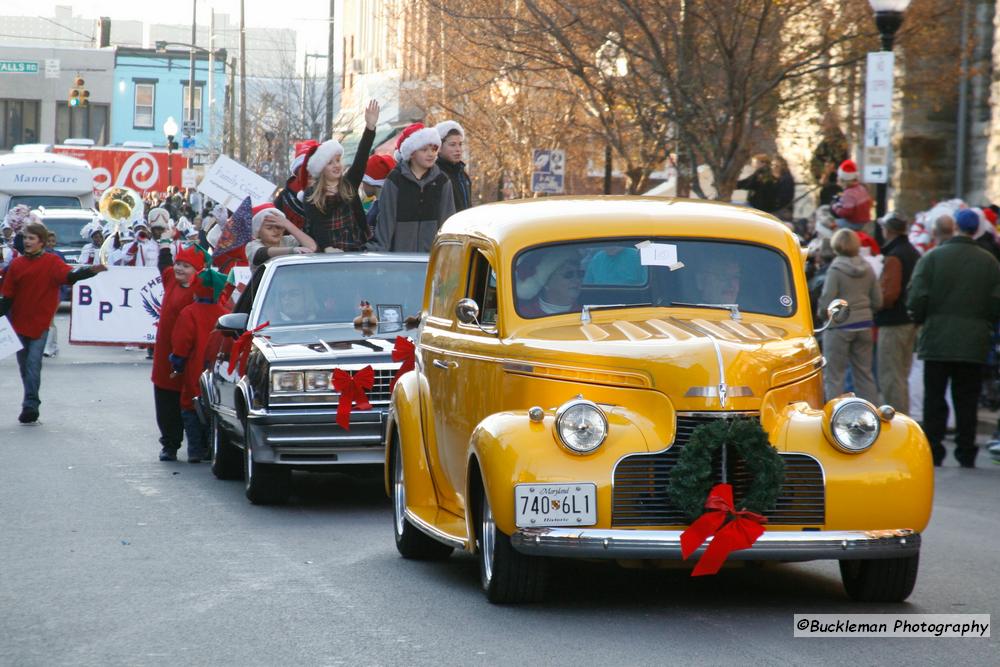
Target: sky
x=308, y=17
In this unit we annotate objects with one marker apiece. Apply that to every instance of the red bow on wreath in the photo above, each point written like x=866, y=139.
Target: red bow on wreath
x=240, y=352
x=739, y=533
x=406, y=352
x=352, y=392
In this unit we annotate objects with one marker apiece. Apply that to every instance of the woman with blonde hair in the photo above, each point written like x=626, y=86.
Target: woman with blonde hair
x=333, y=212
x=850, y=343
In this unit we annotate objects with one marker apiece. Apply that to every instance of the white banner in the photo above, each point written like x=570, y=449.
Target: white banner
x=229, y=183
x=119, y=307
x=9, y=342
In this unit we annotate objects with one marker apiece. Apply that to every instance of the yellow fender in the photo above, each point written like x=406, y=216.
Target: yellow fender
x=405, y=420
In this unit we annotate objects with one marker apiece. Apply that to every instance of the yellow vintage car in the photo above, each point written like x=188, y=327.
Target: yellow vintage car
x=571, y=347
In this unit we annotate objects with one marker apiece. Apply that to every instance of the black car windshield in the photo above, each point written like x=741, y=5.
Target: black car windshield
x=332, y=292
x=563, y=278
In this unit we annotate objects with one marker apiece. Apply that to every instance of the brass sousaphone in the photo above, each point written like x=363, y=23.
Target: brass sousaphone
x=120, y=207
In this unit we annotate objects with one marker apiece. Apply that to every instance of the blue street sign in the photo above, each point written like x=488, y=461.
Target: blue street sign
x=549, y=171
x=187, y=142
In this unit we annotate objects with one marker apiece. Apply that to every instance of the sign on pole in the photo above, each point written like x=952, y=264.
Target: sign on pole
x=549, y=171
x=52, y=68
x=228, y=182
x=18, y=67
x=878, y=116
x=189, y=178
x=118, y=307
x=189, y=127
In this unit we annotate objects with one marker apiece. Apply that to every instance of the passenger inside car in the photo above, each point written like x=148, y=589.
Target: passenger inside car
x=554, y=285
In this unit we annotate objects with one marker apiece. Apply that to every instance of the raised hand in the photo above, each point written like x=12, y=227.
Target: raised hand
x=371, y=114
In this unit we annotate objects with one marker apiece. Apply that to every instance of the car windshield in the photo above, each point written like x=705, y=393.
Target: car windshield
x=563, y=278
x=48, y=201
x=332, y=292
x=68, y=230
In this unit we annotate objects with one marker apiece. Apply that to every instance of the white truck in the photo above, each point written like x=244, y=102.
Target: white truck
x=40, y=179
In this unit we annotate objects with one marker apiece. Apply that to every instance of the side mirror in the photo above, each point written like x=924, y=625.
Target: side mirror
x=836, y=313
x=467, y=311
x=232, y=324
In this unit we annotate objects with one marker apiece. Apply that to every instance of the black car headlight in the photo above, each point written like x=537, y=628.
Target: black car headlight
x=854, y=425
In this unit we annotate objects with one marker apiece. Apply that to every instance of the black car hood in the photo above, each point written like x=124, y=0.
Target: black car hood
x=309, y=344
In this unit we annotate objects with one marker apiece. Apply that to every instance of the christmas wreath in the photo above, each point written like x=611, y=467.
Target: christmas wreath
x=711, y=506
x=691, y=477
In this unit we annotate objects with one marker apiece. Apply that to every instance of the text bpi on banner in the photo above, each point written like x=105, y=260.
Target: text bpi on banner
x=118, y=307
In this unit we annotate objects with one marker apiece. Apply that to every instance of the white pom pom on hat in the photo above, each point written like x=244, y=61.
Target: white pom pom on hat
x=848, y=171
x=446, y=126
x=327, y=150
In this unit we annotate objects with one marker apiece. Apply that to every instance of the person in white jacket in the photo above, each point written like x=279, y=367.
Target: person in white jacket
x=90, y=254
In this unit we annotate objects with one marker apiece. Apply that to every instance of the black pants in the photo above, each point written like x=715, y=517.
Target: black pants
x=966, y=381
x=168, y=417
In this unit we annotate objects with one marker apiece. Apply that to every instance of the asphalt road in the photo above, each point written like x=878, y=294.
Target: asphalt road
x=109, y=557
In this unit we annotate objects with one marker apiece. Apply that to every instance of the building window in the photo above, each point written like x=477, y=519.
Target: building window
x=89, y=122
x=145, y=95
x=197, y=104
x=18, y=122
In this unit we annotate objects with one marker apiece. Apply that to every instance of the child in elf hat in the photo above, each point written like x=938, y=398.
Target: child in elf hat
x=334, y=216
x=30, y=296
x=178, y=292
x=190, y=337
x=416, y=197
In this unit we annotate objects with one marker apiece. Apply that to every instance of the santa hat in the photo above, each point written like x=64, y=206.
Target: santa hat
x=991, y=216
x=193, y=256
x=303, y=149
x=377, y=169
x=447, y=126
x=159, y=217
x=322, y=156
x=261, y=211
x=848, y=171
x=415, y=137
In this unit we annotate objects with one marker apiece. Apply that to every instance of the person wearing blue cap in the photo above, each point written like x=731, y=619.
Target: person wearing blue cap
x=955, y=296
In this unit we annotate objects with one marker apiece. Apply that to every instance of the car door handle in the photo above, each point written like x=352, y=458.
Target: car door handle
x=445, y=365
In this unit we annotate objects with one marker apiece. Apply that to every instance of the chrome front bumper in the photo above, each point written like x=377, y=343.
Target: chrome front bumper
x=305, y=437
x=666, y=544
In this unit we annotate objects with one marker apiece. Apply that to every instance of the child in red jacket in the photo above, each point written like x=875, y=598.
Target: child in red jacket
x=178, y=293
x=190, y=337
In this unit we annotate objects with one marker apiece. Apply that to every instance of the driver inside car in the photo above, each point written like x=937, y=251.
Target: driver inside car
x=554, y=287
x=718, y=281
x=295, y=304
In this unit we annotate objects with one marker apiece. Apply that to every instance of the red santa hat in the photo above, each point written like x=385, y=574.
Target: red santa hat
x=303, y=149
x=848, y=171
x=261, y=211
x=415, y=137
x=322, y=156
x=377, y=169
x=191, y=255
x=446, y=127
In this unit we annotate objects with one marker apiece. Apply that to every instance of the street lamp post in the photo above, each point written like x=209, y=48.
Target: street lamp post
x=888, y=19
x=170, y=131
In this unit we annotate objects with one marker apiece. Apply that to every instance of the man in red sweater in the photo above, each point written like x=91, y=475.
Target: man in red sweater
x=30, y=296
x=189, y=340
x=178, y=293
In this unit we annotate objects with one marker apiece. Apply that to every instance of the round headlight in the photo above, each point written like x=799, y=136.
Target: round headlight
x=581, y=426
x=855, y=425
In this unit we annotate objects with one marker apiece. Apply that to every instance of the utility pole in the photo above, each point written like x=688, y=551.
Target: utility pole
x=305, y=87
x=194, y=42
x=243, y=83
x=328, y=128
x=210, y=105
x=231, y=148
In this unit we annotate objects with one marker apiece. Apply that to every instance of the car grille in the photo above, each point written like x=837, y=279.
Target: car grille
x=383, y=379
x=640, y=485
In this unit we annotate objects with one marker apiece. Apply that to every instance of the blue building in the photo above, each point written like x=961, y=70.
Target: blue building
x=152, y=85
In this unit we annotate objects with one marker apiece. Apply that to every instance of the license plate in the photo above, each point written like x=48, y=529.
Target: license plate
x=555, y=505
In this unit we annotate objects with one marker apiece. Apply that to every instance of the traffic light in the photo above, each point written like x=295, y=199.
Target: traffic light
x=79, y=96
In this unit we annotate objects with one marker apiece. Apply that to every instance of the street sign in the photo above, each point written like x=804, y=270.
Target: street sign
x=549, y=171
x=52, y=68
x=189, y=178
x=878, y=85
x=187, y=142
x=189, y=128
x=18, y=67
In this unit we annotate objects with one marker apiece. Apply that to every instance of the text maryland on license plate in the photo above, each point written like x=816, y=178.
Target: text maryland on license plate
x=555, y=505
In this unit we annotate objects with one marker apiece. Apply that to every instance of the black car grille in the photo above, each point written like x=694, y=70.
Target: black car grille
x=640, y=485
x=383, y=379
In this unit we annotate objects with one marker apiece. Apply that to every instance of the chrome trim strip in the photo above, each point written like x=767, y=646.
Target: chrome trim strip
x=720, y=414
x=708, y=392
x=281, y=439
x=433, y=531
x=666, y=544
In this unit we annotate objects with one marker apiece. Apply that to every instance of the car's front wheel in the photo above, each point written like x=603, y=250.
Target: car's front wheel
x=226, y=463
x=506, y=574
x=266, y=483
x=880, y=580
x=410, y=542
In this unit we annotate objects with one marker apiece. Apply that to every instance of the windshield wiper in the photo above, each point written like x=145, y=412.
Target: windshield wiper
x=733, y=308
x=585, y=311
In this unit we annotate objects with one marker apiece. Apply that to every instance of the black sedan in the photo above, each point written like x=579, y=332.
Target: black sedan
x=310, y=390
